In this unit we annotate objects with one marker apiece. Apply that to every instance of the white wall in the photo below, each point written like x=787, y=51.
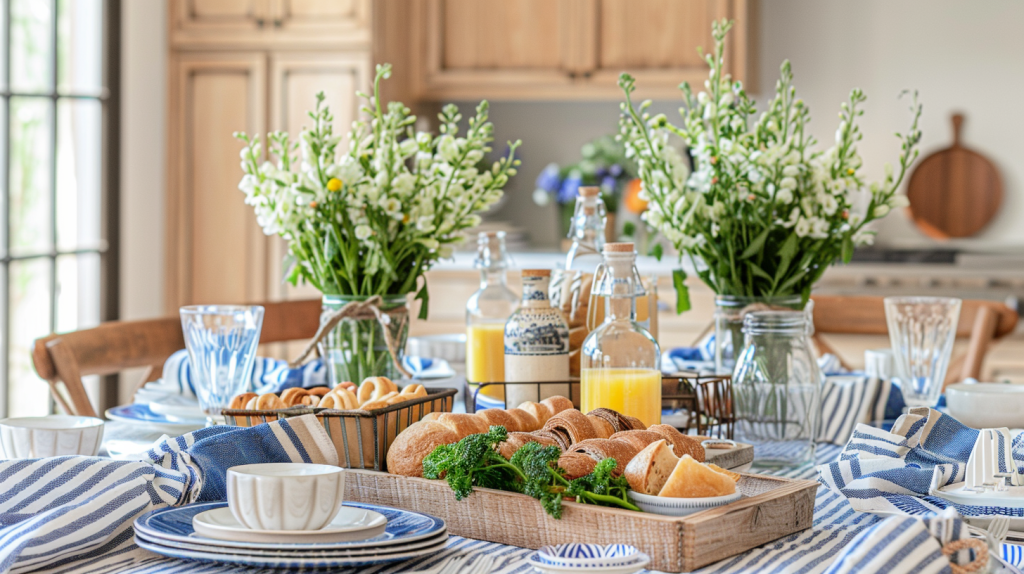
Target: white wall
x=143, y=136
x=966, y=56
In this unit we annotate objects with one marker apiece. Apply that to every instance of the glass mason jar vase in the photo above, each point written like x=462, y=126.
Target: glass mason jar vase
x=777, y=389
x=729, y=313
x=357, y=347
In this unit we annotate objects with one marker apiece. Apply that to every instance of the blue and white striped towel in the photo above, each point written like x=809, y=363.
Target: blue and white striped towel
x=893, y=471
x=273, y=375
x=68, y=509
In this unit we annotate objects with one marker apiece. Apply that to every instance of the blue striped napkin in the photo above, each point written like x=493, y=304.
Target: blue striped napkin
x=894, y=471
x=58, y=510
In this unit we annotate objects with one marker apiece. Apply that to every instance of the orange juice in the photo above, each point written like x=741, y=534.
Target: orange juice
x=633, y=392
x=485, y=357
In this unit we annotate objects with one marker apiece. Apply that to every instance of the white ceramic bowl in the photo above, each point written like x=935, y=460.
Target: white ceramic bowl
x=669, y=506
x=52, y=435
x=986, y=405
x=285, y=496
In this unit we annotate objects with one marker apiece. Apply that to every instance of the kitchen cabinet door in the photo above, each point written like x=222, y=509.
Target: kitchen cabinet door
x=294, y=81
x=219, y=16
x=216, y=252
x=495, y=48
x=656, y=41
x=322, y=17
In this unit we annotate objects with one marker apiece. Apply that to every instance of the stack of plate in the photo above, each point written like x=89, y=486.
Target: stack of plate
x=361, y=535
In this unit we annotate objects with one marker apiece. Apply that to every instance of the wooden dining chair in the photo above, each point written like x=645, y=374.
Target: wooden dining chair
x=63, y=359
x=983, y=322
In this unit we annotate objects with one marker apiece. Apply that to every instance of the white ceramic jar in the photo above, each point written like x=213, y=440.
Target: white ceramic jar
x=52, y=435
x=285, y=496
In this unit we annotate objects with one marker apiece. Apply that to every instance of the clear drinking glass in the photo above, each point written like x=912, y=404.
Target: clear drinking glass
x=777, y=389
x=921, y=330
x=221, y=342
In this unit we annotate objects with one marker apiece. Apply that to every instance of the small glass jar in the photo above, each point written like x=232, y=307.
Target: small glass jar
x=777, y=389
x=729, y=313
x=487, y=310
x=357, y=348
x=620, y=364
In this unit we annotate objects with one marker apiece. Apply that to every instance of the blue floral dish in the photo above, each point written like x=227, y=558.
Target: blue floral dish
x=589, y=556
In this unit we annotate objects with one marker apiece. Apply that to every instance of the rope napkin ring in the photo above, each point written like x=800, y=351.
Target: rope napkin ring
x=980, y=554
x=361, y=310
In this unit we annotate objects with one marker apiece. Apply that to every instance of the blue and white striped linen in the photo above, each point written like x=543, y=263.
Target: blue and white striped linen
x=274, y=375
x=893, y=471
x=76, y=511
x=841, y=541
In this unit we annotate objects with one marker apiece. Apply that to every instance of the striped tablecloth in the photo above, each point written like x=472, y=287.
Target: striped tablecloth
x=836, y=525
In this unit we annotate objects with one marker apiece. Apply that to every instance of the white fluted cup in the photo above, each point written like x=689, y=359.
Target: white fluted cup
x=285, y=496
x=52, y=435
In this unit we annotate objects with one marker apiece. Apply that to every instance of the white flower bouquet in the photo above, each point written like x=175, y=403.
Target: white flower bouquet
x=764, y=213
x=370, y=221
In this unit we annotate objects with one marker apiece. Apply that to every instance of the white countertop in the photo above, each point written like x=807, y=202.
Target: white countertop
x=463, y=261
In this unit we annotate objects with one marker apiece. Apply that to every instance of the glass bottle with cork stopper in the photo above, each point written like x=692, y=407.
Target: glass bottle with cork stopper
x=486, y=313
x=587, y=230
x=620, y=366
x=536, y=344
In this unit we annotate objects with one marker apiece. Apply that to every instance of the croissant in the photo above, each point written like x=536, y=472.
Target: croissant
x=516, y=440
x=572, y=426
x=602, y=448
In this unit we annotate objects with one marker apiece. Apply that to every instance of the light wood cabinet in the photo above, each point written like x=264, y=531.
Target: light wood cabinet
x=568, y=49
x=214, y=246
x=263, y=24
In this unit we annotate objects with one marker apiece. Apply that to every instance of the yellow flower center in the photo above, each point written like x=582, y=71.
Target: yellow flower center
x=334, y=184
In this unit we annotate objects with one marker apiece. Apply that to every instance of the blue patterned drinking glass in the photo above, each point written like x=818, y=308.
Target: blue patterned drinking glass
x=221, y=342
x=921, y=330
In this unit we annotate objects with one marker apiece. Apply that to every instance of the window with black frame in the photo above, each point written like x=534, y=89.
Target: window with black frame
x=57, y=205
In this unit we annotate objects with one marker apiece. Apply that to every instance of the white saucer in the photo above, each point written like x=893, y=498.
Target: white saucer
x=350, y=524
x=177, y=406
x=1012, y=497
x=642, y=561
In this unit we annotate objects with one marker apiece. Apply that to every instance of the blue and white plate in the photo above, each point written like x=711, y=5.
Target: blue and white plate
x=200, y=546
x=589, y=556
x=313, y=559
x=140, y=413
x=174, y=524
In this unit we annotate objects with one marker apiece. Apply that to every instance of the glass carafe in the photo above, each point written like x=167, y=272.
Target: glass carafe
x=486, y=313
x=777, y=389
x=620, y=362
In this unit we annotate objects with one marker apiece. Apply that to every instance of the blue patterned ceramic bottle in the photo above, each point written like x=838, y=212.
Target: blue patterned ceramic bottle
x=536, y=344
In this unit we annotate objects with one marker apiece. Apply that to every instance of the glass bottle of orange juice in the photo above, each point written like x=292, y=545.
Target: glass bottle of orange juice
x=620, y=364
x=486, y=313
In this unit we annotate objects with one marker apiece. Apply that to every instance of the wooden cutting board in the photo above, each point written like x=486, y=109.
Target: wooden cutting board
x=954, y=192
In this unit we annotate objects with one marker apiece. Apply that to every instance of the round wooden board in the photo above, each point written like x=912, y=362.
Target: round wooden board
x=954, y=192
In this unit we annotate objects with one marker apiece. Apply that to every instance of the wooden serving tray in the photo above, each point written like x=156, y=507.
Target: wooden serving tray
x=770, y=509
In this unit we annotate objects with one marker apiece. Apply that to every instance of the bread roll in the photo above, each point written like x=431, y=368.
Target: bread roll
x=602, y=427
x=602, y=448
x=379, y=402
x=499, y=417
x=240, y=401
x=691, y=479
x=463, y=424
x=318, y=391
x=619, y=421
x=539, y=411
x=294, y=396
x=347, y=385
x=557, y=404
x=681, y=444
x=265, y=402
x=576, y=464
x=649, y=470
x=405, y=457
x=527, y=422
x=638, y=438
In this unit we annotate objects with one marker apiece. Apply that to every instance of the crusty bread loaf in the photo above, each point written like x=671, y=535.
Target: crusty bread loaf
x=500, y=417
x=602, y=448
x=681, y=444
x=405, y=457
x=691, y=479
x=541, y=412
x=602, y=428
x=517, y=439
x=463, y=424
x=526, y=421
x=557, y=404
x=650, y=469
x=572, y=425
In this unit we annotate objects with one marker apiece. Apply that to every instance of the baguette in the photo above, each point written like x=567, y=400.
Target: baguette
x=576, y=464
x=405, y=457
x=541, y=412
x=638, y=438
x=602, y=427
x=649, y=470
x=499, y=417
x=463, y=424
x=516, y=440
x=557, y=404
x=526, y=421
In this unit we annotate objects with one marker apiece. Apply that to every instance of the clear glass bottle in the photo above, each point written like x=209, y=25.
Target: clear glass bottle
x=587, y=231
x=536, y=344
x=620, y=365
x=776, y=389
x=486, y=313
